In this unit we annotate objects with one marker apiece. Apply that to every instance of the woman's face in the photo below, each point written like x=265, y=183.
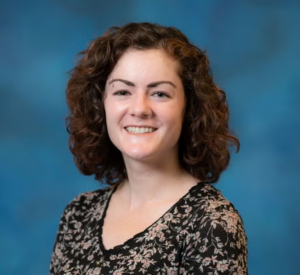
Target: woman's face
x=144, y=105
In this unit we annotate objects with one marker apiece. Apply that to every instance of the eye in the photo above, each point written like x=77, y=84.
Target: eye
x=121, y=93
x=161, y=94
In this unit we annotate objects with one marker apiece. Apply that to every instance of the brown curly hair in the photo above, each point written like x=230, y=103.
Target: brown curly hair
x=205, y=136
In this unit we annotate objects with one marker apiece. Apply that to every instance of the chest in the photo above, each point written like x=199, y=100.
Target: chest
x=120, y=226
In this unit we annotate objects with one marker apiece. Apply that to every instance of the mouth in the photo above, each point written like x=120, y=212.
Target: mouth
x=139, y=130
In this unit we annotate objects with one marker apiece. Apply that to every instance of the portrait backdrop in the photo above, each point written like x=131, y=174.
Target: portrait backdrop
x=254, y=51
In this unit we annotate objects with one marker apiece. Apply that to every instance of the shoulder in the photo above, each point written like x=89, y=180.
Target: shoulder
x=212, y=203
x=215, y=217
x=86, y=203
x=215, y=238
x=92, y=197
x=213, y=209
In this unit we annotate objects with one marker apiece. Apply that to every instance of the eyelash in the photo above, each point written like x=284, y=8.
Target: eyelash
x=163, y=94
x=156, y=94
x=121, y=93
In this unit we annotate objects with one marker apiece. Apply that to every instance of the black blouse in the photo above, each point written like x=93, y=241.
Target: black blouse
x=202, y=233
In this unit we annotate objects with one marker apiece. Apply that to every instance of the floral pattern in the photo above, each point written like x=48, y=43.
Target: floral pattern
x=200, y=234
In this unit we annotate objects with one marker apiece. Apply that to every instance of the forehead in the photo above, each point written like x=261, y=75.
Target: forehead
x=150, y=65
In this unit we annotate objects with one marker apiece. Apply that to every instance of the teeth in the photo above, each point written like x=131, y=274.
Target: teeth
x=139, y=130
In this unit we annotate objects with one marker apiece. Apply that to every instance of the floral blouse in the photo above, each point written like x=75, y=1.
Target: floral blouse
x=202, y=233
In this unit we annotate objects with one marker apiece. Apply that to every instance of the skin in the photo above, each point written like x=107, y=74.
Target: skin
x=145, y=89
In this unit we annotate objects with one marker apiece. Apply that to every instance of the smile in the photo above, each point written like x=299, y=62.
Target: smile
x=139, y=130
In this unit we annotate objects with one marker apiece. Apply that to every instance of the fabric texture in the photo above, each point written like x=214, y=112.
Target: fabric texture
x=202, y=233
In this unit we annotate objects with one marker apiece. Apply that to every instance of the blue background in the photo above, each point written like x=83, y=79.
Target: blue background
x=254, y=49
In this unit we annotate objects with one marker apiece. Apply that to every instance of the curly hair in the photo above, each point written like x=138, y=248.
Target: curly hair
x=205, y=138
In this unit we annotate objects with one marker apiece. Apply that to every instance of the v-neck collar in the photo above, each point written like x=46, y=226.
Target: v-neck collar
x=118, y=247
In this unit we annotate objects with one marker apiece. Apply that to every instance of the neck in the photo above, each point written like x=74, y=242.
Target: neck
x=151, y=182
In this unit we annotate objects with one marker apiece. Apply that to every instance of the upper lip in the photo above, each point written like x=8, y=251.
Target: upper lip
x=140, y=126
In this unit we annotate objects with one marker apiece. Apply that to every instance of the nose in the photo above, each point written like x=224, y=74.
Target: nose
x=140, y=106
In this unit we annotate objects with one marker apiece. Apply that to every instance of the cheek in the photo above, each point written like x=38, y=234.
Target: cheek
x=109, y=118
x=173, y=117
x=114, y=112
x=177, y=110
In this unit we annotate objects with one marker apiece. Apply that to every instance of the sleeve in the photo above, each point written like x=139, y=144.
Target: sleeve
x=59, y=245
x=217, y=245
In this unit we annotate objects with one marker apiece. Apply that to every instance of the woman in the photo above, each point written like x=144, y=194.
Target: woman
x=147, y=118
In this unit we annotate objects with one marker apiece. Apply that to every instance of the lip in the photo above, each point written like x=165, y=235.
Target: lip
x=141, y=126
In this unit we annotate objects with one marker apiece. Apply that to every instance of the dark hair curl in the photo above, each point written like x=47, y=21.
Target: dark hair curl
x=205, y=136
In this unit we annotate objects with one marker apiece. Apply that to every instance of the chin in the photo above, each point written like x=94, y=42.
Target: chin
x=136, y=156
x=141, y=155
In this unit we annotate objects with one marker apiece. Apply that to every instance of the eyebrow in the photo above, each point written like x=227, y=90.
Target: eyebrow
x=150, y=85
